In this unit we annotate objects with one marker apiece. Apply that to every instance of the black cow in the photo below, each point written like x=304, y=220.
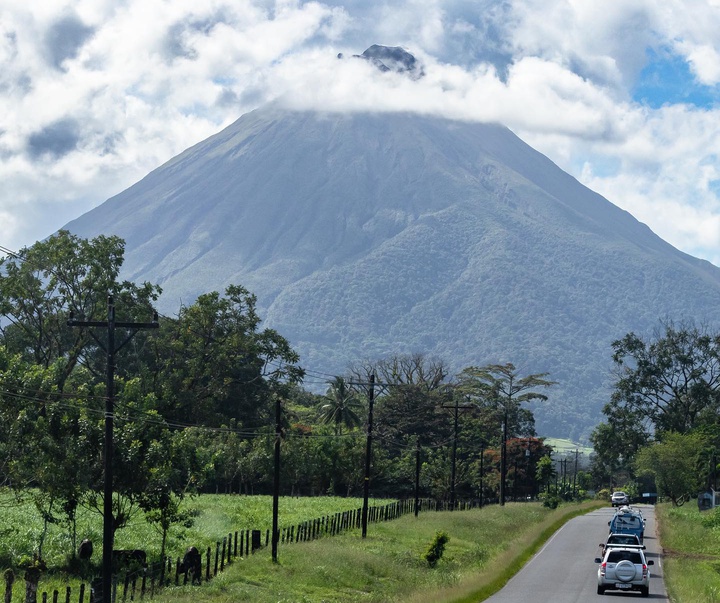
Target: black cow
x=86, y=550
x=129, y=559
x=191, y=564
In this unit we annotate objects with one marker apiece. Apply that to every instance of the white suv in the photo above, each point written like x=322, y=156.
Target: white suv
x=619, y=498
x=623, y=569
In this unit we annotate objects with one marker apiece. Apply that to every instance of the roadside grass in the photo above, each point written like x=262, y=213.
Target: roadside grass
x=691, y=552
x=486, y=547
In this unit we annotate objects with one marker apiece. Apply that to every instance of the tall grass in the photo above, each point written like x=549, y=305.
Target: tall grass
x=216, y=516
x=691, y=547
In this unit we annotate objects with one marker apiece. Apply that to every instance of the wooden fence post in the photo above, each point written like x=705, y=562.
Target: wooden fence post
x=256, y=540
x=9, y=576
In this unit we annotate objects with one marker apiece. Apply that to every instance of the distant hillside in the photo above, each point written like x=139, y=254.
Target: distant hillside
x=365, y=235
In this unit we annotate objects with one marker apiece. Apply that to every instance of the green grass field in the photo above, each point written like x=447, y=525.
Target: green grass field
x=564, y=447
x=691, y=545
x=486, y=546
x=216, y=516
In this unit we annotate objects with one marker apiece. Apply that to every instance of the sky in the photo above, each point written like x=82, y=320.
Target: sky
x=625, y=96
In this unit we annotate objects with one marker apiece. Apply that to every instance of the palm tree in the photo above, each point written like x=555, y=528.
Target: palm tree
x=500, y=386
x=342, y=406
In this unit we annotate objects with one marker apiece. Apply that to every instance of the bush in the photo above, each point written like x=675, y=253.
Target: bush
x=603, y=494
x=551, y=501
x=436, y=548
x=711, y=519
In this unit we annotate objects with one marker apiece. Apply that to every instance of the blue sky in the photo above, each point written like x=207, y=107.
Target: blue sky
x=668, y=80
x=94, y=94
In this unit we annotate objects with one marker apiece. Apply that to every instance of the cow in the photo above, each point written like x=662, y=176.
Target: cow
x=191, y=564
x=129, y=559
x=85, y=550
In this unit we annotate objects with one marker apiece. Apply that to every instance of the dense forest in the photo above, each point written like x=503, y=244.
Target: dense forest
x=192, y=402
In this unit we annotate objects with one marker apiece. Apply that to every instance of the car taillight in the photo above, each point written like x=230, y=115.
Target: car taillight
x=602, y=568
x=644, y=570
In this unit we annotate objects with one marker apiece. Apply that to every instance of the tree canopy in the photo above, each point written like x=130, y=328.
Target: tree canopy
x=194, y=401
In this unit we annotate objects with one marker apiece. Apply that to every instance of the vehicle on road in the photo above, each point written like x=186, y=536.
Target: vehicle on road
x=623, y=569
x=619, y=499
x=628, y=521
x=622, y=540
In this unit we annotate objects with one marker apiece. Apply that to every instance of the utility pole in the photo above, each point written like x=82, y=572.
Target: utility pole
x=457, y=407
x=368, y=453
x=417, y=475
x=454, y=456
x=482, y=469
x=575, y=476
x=503, y=457
x=111, y=324
x=276, y=479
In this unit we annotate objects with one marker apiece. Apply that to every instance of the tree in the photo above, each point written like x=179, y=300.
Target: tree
x=672, y=381
x=342, y=406
x=616, y=442
x=214, y=364
x=499, y=388
x=675, y=461
x=413, y=403
x=46, y=441
x=545, y=471
x=43, y=284
x=175, y=472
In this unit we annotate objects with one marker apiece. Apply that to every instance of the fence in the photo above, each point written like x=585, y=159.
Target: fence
x=145, y=583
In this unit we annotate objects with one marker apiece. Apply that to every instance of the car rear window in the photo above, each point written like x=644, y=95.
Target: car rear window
x=617, y=556
x=622, y=540
x=628, y=520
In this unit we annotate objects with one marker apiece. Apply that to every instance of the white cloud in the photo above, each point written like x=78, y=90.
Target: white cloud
x=705, y=63
x=95, y=93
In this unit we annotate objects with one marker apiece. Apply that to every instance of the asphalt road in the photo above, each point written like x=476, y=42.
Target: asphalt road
x=564, y=571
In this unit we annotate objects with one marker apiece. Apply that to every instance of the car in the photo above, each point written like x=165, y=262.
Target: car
x=622, y=540
x=628, y=521
x=619, y=498
x=624, y=569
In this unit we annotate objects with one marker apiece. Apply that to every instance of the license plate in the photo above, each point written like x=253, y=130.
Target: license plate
x=623, y=585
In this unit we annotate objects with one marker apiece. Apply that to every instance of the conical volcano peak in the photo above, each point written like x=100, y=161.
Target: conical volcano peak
x=392, y=58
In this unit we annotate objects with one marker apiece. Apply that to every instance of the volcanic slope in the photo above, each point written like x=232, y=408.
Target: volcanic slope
x=365, y=235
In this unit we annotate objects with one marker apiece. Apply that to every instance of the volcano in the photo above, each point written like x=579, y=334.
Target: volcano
x=367, y=234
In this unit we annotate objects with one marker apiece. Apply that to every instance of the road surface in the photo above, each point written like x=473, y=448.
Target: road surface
x=564, y=570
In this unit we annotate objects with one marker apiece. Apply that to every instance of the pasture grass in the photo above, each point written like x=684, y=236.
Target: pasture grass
x=486, y=547
x=691, y=552
x=216, y=516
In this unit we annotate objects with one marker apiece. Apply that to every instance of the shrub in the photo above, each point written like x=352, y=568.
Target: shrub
x=711, y=519
x=603, y=494
x=436, y=548
x=551, y=501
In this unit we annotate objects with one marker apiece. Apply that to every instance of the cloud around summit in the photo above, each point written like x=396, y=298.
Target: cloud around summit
x=624, y=96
